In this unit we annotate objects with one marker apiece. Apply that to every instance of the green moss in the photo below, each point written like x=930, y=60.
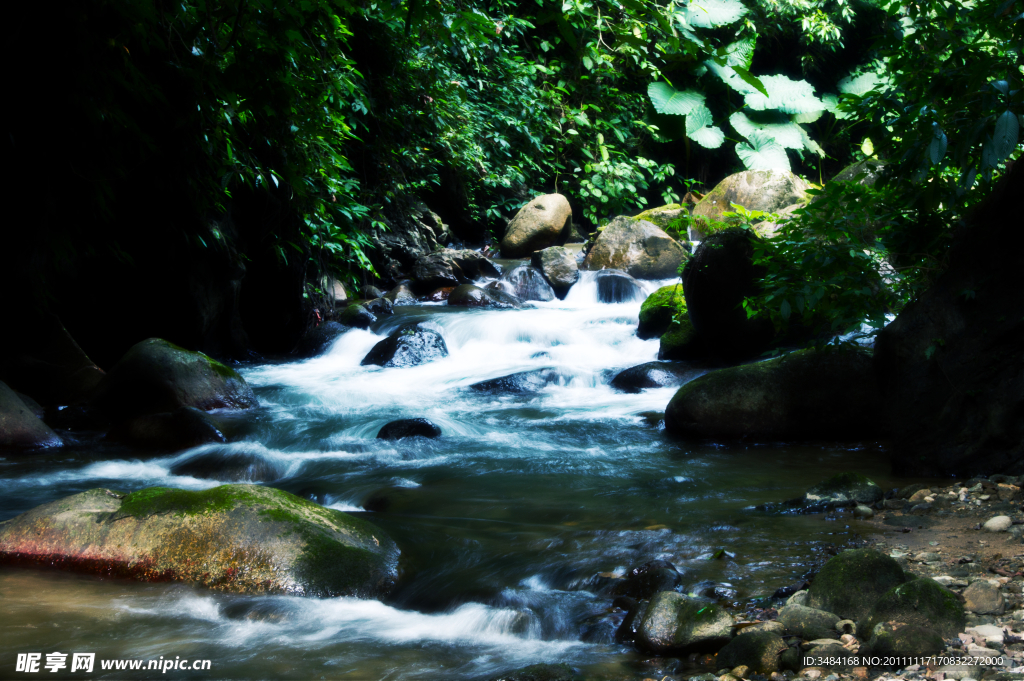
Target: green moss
x=222, y=370
x=680, y=341
x=153, y=500
x=330, y=568
x=852, y=582
x=922, y=602
x=659, y=309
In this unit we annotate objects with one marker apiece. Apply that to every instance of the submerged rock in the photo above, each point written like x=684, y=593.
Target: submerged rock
x=528, y=284
x=922, y=602
x=850, y=583
x=396, y=430
x=658, y=310
x=518, y=383
x=468, y=295
x=410, y=345
x=241, y=538
x=180, y=429
x=637, y=247
x=655, y=375
x=844, y=489
x=155, y=376
x=614, y=286
x=559, y=267
x=20, y=428
x=545, y=221
x=760, y=651
x=674, y=623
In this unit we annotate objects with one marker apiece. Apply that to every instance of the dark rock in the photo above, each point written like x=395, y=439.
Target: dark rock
x=759, y=650
x=674, y=623
x=408, y=346
x=865, y=172
x=19, y=427
x=655, y=375
x=809, y=623
x=229, y=466
x=369, y=292
x=831, y=651
x=439, y=295
x=630, y=627
x=402, y=294
x=791, y=659
x=850, y=583
x=51, y=368
x=545, y=221
x=614, y=286
x=379, y=306
x=844, y=489
x=902, y=640
x=658, y=310
x=528, y=283
x=716, y=279
x=473, y=296
x=805, y=394
x=559, y=267
x=317, y=339
x=681, y=342
x=180, y=429
x=540, y=672
x=155, y=376
x=242, y=538
x=356, y=315
x=519, y=383
x=450, y=267
x=413, y=231
x=396, y=430
x=955, y=405
x=501, y=285
x=923, y=602
x=637, y=247
x=37, y=409
x=644, y=581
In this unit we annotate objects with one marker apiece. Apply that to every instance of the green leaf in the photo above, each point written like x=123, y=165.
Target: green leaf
x=831, y=103
x=699, y=117
x=710, y=137
x=785, y=309
x=740, y=53
x=777, y=126
x=761, y=152
x=867, y=147
x=937, y=149
x=711, y=13
x=1005, y=139
x=730, y=77
x=667, y=100
x=789, y=96
x=858, y=83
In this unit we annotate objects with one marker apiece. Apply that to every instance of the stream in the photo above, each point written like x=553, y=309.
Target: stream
x=504, y=522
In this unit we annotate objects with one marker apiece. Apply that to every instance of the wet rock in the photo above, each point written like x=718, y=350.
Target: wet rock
x=19, y=427
x=473, y=296
x=716, y=280
x=358, y=316
x=829, y=650
x=792, y=659
x=439, y=295
x=501, y=285
x=180, y=429
x=396, y=430
x=379, y=306
x=674, y=623
x=528, y=283
x=317, y=340
x=1000, y=523
x=402, y=294
x=862, y=511
x=671, y=217
x=559, y=267
x=805, y=394
x=760, y=651
x=614, y=286
x=155, y=376
x=850, y=583
x=519, y=383
x=636, y=247
x=545, y=221
x=644, y=581
x=242, y=538
x=658, y=310
x=808, y=623
x=681, y=342
x=655, y=375
x=769, y=626
x=540, y=672
x=844, y=489
x=413, y=230
x=890, y=639
x=764, y=190
x=799, y=598
x=449, y=267
x=369, y=292
x=228, y=466
x=984, y=598
x=410, y=345
x=922, y=602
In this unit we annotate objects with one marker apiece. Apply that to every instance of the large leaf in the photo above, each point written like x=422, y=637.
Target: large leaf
x=775, y=125
x=667, y=100
x=858, y=83
x=698, y=118
x=831, y=103
x=711, y=13
x=729, y=76
x=761, y=152
x=789, y=96
x=740, y=53
x=1005, y=138
x=700, y=130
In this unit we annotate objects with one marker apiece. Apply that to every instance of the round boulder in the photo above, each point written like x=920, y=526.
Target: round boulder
x=681, y=342
x=655, y=375
x=637, y=247
x=543, y=222
x=528, y=283
x=402, y=294
x=658, y=310
x=808, y=623
x=20, y=428
x=468, y=295
x=759, y=650
x=897, y=640
x=518, y=383
x=358, y=316
x=559, y=267
x=316, y=340
x=923, y=602
x=408, y=346
x=614, y=286
x=850, y=583
x=674, y=623
x=765, y=190
x=180, y=429
x=396, y=430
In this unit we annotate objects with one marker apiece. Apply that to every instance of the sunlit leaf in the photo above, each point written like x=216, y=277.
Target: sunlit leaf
x=711, y=13
x=775, y=125
x=789, y=96
x=761, y=152
x=667, y=100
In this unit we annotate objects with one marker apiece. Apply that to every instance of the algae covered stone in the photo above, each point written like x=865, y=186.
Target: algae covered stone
x=922, y=602
x=808, y=623
x=681, y=342
x=896, y=640
x=241, y=538
x=658, y=309
x=850, y=583
x=674, y=623
x=759, y=650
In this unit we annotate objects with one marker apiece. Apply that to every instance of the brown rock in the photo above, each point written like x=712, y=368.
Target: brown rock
x=636, y=247
x=765, y=190
x=541, y=223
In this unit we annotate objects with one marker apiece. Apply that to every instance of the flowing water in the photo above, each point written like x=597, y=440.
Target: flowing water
x=504, y=522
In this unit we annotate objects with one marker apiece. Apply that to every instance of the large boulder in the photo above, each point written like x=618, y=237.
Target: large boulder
x=670, y=217
x=156, y=376
x=659, y=309
x=51, y=367
x=468, y=295
x=241, y=538
x=543, y=222
x=402, y=294
x=614, y=286
x=410, y=345
x=765, y=190
x=890, y=641
x=317, y=340
x=559, y=267
x=950, y=365
x=20, y=428
x=357, y=315
x=655, y=375
x=180, y=429
x=805, y=394
x=922, y=602
x=674, y=624
x=413, y=231
x=637, y=247
x=850, y=583
x=716, y=279
x=527, y=283
x=809, y=623
x=449, y=267
x=681, y=342
x=760, y=651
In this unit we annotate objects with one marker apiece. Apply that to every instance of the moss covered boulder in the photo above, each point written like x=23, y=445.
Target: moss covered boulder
x=636, y=247
x=850, y=583
x=674, y=623
x=759, y=650
x=357, y=315
x=923, y=602
x=681, y=342
x=156, y=376
x=241, y=538
x=805, y=394
x=658, y=309
x=809, y=623
x=765, y=190
x=896, y=640
x=844, y=489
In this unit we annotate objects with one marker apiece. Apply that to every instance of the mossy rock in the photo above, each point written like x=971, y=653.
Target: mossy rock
x=674, y=623
x=809, y=623
x=657, y=311
x=904, y=640
x=759, y=650
x=156, y=376
x=850, y=583
x=241, y=538
x=672, y=217
x=923, y=602
x=681, y=342
x=845, y=489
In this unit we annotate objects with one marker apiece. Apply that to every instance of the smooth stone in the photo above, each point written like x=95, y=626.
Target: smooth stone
x=408, y=428
x=467, y=295
x=983, y=598
x=559, y=267
x=808, y=623
x=658, y=310
x=759, y=651
x=528, y=283
x=922, y=602
x=543, y=222
x=655, y=375
x=614, y=286
x=357, y=315
x=674, y=623
x=1000, y=523
x=850, y=583
x=19, y=427
x=410, y=345
x=637, y=247
x=519, y=383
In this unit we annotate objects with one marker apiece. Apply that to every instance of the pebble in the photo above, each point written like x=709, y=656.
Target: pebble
x=1000, y=523
x=862, y=511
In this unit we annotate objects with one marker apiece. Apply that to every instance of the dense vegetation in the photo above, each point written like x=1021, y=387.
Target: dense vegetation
x=277, y=138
